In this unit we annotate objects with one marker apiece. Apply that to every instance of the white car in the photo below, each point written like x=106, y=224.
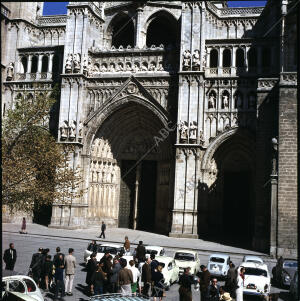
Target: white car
x=187, y=258
x=252, y=258
x=158, y=251
x=218, y=265
x=257, y=279
x=22, y=284
x=170, y=270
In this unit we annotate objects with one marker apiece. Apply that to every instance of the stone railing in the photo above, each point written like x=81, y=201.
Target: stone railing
x=266, y=83
x=110, y=4
x=288, y=78
x=5, y=11
x=52, y=20
x=34, y=76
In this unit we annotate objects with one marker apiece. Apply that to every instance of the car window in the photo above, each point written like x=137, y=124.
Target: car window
x=290, y=264
x=217, y=259
x=30, y=285
x=162, y=252
x=91, y=247
x=148, y=251
x=184, y=256
x=162, y=264
x=16, y=286
x=170, y=266
x=3, y=286
x=255, y=272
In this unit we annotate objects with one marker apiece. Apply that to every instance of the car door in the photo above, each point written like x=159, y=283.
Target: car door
x=175, y=270
x=170, y=272
x=197, y=269
x=16, y=285
x=32, y=290
x=4, y=287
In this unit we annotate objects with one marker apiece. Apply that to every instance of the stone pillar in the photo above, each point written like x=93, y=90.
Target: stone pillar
x=39, y=70
x=208, y=58
x=29, y=61
x=220, y=63
x=136, y=195
x=246, y=58
x=233, y=61
x=138, y=34
x=50, y=63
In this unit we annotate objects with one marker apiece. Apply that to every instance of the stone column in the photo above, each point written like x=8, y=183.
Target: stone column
x=208, y=58
x=233, y=62
x=50, y=63
x=136, y=195
x=29, y=63
x=138, y=34
x=40, y=63
x=220, y=64
x=246, y=57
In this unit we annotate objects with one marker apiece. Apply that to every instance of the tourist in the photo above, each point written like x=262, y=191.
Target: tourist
x=91, y=267
x=213, y=293
x=240, y=283
x=10, y=257
x=48, y=268
x=56, y=257
x=136, y=274
x=185, y=281
x=23, y=226
x=70, y=265
x=36, y=266
x=158, y=283
x=103, y=228
x=114, y=276
x=230, y=282
x=125, y=278
x=59, y=278
x=127, y=246
x=140, y=253
x=146, y=277
x=98, y=279
x=204, y=281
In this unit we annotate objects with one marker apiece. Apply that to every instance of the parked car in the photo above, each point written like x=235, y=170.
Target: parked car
x=187, y=258
x=294, y=287
x=158, y=251
x=170, y=270
x=21, y=284
x=257, y=279
x=284, y=271
x=117, y=297
x=252, y=258
x=13, y=296
x=218, y=265
x=89, y=250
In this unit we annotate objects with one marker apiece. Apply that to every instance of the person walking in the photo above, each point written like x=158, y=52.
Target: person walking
x=98, y=279
x=127, y=246
x=136, y=274
x=213, y=293
x=10, y=257
x=103, y=228
x=230, y=282
x=185, y=281
x=48, y=268
x=158, y=283
x=125, y=278
x=56, y=257
x=240, y=283
x=146, y=277
x=91, y=267
x=23, y=226
x=114, y=276
x=140, y=253
x=59, y=279
x=36, y=266
x=204, y=282
x=70, y=265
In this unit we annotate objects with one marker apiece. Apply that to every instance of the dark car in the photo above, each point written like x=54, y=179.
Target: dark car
x=284, y=271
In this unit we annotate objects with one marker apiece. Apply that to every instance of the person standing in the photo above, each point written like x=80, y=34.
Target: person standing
x=204, y=282
x=114, y=277
x=146, y=277
x=230, y=282
x=158, y=285
x=154, y=263
x=91, y=268
x=185, y=281
x=23, y=226
x=125, y=278
x=56, y=257
x=70, y=265
x=36, y=266
x=98, y=279
x=107, y=269
x=103, y=228
x=10, y=257
x=140, y=254
x=59, y=278
x=240, y=283
x=127, y=246
x=213, y=293
x=136, y=274
x=48, y=264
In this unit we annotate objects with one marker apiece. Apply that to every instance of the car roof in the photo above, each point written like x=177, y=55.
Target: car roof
x=252, y=257
x=17, y=277
x=164, y=259
x=154, y=247
x=225, y=256
x=112, y=245
x=186, y=251
x=254, y=265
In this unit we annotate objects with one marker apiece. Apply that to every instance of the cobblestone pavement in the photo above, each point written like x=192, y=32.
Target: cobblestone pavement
x=28, y=244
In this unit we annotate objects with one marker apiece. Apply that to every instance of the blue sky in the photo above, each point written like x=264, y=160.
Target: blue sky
x=59, y=8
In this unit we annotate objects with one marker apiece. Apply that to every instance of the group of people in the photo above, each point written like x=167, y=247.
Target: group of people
x=47, y=271
x=116, y=275
x=209, y=288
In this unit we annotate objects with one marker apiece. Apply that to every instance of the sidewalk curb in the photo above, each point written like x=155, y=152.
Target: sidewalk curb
x=208, y=251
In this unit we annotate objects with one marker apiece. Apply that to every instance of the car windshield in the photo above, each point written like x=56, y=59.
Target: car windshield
x=162, y=264
x=255, y=272
x=253, y=260
x=111, y=250
x=148, y=251
x=217, y=259
x=290, y=264
x=184, y=256
x=92, y=247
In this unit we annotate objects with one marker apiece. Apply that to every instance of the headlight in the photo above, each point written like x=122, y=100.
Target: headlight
x=287, y=278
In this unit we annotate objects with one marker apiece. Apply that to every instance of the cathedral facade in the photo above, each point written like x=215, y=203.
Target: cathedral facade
x=182, y=113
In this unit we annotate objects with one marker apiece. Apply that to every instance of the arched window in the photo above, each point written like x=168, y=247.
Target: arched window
x=239, y=58
x=266, y=58
x=24, y=64
x=121, y=31
x=252, y=59
x=214, y=58
x=34, y=64
x=55, y=64
x=45, y=63
x=162, y=29
x=226, y=58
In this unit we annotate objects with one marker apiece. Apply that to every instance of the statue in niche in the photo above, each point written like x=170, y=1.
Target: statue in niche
x=201, y=137
x=112, y=67
x=103, y=68
x=64, y=130
x=204, y=60
x=10, y=71
x=160, y=66
x=128, y=66
x=212, y=101
x=193, y=131
x=120, y=67
x=144, y=67
x=76, y=61
x=186, y=60
x=225, y=102
x=80, y=129
x=152, y=66
x=72, y=129
x=68, y=67
x=196, y=60
x=252, y=101
x=136, y=67
x=183, y=131
x=85, y=66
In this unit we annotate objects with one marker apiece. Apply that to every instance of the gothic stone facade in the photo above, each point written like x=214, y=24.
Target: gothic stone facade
x=183, y=113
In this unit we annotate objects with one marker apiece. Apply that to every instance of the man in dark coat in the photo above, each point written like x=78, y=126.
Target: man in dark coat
x=56, y=261
x=91, y=267
x=146, y=277
x=103, y=228
x=185, y=281
x=154, y=263
x=36, y=265
x=213, y=291
x=140, y=252
x=10, y=257
x=230, y=282
x=204, y=281
x=59, y=279
x=114, y=277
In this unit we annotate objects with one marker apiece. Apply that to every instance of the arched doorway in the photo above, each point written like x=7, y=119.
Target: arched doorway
x=130, y=174
x=226, y=195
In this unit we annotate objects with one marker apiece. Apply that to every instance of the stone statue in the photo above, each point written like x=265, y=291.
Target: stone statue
x=183, y=130
x=64, y=130
x=160, y=66
x=204, y=60
x=120, y=67
x=128, y=66
x=186, y=60
x=85, y=67
x=76, y=61
x=103, y=68
x=152, y=66
x=196, y=60
x=201, y=137
x=80, y=128
x=193, y=131
x=136, y=67
x=72, y=129
x=10, y=71
x=225, y=102
x=112, y=67
x=144, y=67
x=68, y=68
x=211, y=101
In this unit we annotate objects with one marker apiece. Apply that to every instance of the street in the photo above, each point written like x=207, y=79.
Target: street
x=26, y=245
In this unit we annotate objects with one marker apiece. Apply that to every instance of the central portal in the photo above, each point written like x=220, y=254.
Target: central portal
x=138, y=194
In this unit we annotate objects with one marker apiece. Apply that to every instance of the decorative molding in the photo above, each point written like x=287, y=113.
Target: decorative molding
x=52, y=20
x=288, y=78
x=266, y=83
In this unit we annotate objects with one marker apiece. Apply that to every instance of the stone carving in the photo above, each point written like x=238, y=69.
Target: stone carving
x=64, y=130
x=201, y=137
x=212, y=172
x=112, y=67
x=183, y=131
x=152, y=66
x=212, y=101
x=103, y=67
x=86, y=67
x=196, y=60
x=186, y=60
x=72, y=129
x=132, y=88
x=193, y=132
x=76, y=62
x=10, y=71
x=80, y=131
x=160, y=66
x=68, y=67
x=225, y=102
x=120, y=67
